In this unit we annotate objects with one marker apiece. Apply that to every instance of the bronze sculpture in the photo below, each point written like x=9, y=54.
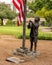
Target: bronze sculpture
x=33, y=32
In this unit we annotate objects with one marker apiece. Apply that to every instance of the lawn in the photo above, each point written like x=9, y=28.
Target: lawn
x=18, y=31
x=10, y=30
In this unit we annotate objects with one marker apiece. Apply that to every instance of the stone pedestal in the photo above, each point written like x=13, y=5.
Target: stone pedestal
x=26, y=53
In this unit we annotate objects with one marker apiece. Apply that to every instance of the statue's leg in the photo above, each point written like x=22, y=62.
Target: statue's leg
x=31, y=44
x=35, y=44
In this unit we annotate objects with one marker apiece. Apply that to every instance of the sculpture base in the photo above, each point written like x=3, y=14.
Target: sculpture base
x=26, y=53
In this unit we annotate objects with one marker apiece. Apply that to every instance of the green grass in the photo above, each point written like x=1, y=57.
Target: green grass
x=18, y=31
x=11, y=30
x=45, y=35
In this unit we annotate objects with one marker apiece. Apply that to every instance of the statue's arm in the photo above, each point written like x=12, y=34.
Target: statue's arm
x=29, y=25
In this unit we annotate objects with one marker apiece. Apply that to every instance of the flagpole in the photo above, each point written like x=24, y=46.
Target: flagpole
x=24, y=26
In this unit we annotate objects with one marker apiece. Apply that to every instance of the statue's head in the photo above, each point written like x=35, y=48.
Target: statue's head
x=30, y=21
x=37, y=19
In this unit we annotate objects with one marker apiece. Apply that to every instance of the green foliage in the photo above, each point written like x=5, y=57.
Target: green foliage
x=34, y=6
x=6, y=12
x=39, y=4
x=44, y=23
x=41, y=13
x=47, y=14
x=43, y=9
x=48, y=5
x=30, y=14
x=11, y=23
x=48, y=17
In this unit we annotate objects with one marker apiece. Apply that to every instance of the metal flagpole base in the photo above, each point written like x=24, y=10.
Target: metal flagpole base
x=20, y=50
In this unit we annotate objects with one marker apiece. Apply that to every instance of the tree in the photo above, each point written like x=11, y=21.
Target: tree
x=49, y=5
x=43, y=8
x=41, y=13
x=39, y=4
x=48, y=17
x=6, y=12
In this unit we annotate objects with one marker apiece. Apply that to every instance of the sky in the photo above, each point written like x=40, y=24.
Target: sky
x=6, y=1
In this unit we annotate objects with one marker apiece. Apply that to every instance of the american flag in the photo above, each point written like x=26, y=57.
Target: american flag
x=19, y=4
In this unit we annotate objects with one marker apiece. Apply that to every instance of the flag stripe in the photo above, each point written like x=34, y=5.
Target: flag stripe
x=16, y=4
x=19, y=4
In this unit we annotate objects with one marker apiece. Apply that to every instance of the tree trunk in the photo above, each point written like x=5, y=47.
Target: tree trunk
x=1, y=22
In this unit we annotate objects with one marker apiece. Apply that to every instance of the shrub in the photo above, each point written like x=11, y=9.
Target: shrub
x=44, y=36
x=30, y=15
x=41, y=12
x=11, y=23
x=41, y=36
x=44, y=23
x=48, y=17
